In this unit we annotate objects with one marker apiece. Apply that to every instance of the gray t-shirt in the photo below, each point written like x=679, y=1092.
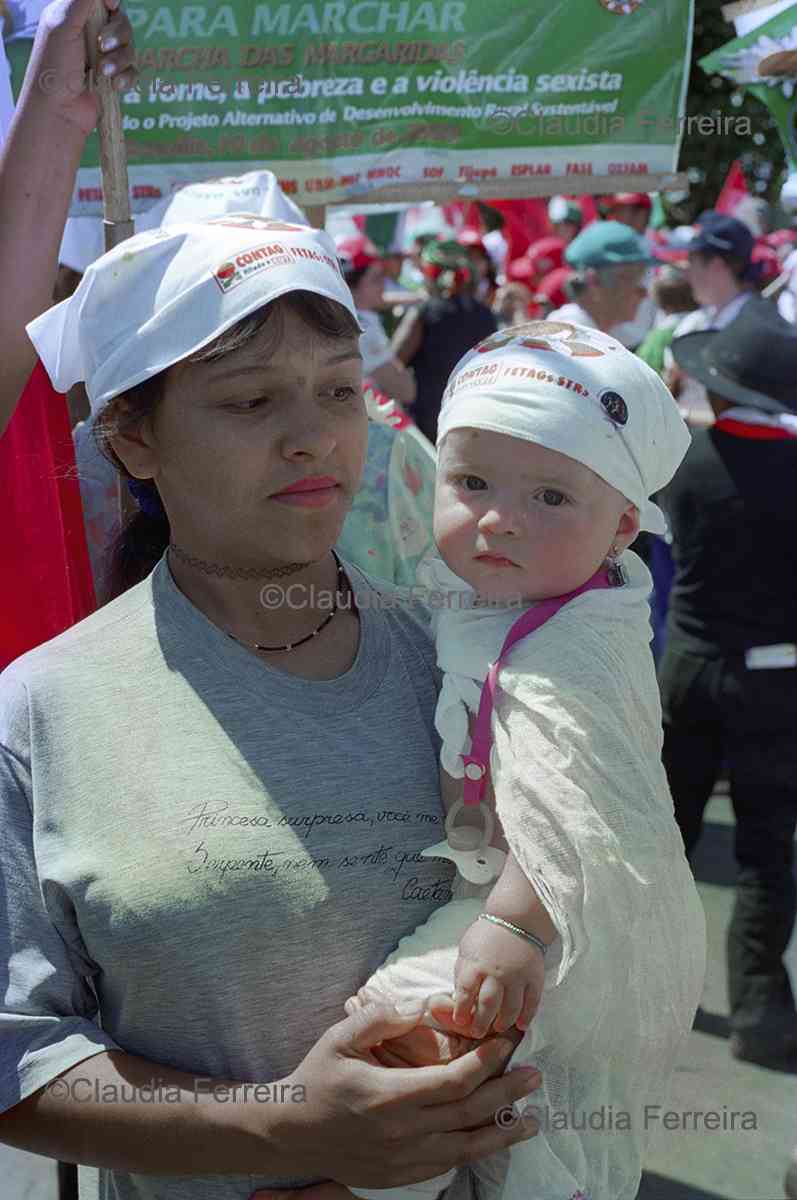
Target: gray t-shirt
x=202, y=853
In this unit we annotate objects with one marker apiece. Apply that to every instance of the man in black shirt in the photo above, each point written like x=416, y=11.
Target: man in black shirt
x=729, y=674
x=433, y=338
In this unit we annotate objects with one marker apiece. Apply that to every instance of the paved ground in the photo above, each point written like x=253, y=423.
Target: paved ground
x=718, y=1165
x=723, y=1165
x=26, y=1177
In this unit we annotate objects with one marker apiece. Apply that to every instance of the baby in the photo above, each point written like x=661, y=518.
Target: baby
x=590, y=938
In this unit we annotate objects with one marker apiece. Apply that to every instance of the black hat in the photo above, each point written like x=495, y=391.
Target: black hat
x=752, y=361
x=721, y=235
x=726, y=237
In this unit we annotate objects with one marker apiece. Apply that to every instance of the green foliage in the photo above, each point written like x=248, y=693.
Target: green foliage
x=707, y=158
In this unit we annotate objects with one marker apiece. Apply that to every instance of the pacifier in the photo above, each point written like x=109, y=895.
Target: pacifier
x=468, y=847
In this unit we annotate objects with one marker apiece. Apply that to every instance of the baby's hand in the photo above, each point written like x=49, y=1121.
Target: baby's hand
x=366, y=996
x=498, y=980
x=435, y=1042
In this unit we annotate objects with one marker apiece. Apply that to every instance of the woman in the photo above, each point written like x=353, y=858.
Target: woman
x=364, y=273
x=389, y=526
x=484, y=269
x=201, y=785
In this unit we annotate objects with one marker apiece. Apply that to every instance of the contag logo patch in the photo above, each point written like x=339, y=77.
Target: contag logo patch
x=250, y=262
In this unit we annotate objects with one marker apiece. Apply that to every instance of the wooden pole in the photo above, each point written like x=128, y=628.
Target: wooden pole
x=445, y=191
x=316, y=214
x=115, y=187
x=776, y=287
x=118, y=222
x=740, y=9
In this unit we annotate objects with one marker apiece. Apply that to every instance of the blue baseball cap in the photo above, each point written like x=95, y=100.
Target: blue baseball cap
x=607, y=243
x=723, y=236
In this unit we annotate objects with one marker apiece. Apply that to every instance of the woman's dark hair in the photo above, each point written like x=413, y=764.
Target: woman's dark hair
x=146, y=535
x=353, y=276
x=740, y=268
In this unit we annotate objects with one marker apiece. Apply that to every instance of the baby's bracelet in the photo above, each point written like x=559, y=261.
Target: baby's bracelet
x=529, y=937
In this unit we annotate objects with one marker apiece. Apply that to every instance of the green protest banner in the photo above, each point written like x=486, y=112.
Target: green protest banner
x=764, y=62
x=403, y=99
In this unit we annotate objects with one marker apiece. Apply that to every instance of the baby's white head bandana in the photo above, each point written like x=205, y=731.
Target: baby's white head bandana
x=162, y=295
x=577, y=391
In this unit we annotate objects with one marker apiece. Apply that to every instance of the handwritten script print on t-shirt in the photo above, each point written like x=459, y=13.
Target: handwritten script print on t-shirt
x=418, y=878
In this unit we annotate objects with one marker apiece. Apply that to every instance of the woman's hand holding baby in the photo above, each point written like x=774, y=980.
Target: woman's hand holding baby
x=498, y=980
x=421, y=1046
x=366, y=1126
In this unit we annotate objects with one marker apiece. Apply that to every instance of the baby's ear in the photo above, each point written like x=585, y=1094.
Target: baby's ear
x=627, y=527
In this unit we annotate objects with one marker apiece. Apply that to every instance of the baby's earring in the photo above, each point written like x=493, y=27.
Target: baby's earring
x=616, y=572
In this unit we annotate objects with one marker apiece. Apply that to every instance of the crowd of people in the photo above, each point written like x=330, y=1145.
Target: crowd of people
x=592, y=446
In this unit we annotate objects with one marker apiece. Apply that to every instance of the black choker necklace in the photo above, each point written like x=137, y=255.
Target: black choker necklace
x=339, y=587
x=223, y=572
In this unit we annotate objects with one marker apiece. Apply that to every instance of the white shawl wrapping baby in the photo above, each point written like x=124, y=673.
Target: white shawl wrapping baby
x=468, y=639
x=584, y=803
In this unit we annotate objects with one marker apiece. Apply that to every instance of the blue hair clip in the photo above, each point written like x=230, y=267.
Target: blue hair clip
x=146, y=496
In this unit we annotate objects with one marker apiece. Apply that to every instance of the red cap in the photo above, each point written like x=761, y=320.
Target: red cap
x=671, y=247
x=356, y=251
x=471, y=238
x=781, y=237
x=520, y=270
x=633, y=199
x=769, y=263
x=678, y=256
x=546, y=254
x=551, y=288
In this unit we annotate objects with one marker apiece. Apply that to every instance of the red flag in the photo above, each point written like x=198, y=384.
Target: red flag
x=734, y=190
x=525, y=221
x=589, y=209
x=462, y=215
x=45, y=574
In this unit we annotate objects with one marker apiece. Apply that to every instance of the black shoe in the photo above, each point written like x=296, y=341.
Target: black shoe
x=764, y=1048
x=790, y=1182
